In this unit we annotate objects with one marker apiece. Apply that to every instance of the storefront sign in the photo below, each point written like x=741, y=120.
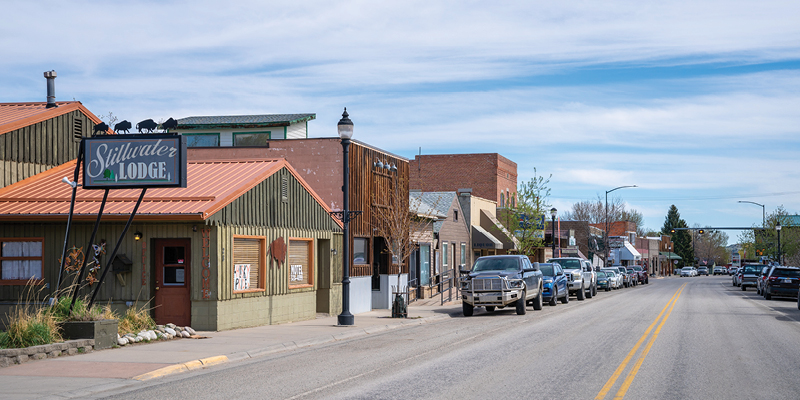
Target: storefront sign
x=241, y=277
x=134, y=161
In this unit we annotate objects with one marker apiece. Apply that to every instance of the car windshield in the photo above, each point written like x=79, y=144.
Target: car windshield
x=568, y=263
x=686, y=269
x=752, y=269
x=637, y=268
x=786, y=273
x=497, y=264
x=547, y=269
x=601, y=275
x=610, y=273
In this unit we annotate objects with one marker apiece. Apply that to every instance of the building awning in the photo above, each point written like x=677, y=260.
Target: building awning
x=489, y=223
x=484, y=240
x=628, y=252
x=670, y=255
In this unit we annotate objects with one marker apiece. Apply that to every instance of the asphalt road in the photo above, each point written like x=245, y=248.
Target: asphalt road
x=676, y=338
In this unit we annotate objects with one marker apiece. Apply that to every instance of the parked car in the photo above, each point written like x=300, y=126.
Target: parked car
x=760, y=280
x=737, y=277
x=749, y=275
x=688, y=272
x=641, y=274
x=555, y=284
x=579, y=275
x=733, y=270
x=500, y=281
x=623, y=273
x=634, y=275
x=782, y=282
x=614, y=276
x=719, y=270
x=702, y=271
x=603, y=281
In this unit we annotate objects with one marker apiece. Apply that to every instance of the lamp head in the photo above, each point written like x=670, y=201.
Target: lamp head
x=553, y=212
x=345, y=126
x=778, y=226
x=137, y=236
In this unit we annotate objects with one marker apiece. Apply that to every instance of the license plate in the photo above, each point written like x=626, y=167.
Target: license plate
x=787, y=281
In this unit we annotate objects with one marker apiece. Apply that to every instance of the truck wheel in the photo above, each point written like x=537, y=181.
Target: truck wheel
x=581, y=293
x=565, y=300
x=767, y=295
x=589, y=294
x=554, y=299
x=537, y=302
x=468, y=309
x=594, y=289
x=521, y=309
x=489, y=308
x=744, y=288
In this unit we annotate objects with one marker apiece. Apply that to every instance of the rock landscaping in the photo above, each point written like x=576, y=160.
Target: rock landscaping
x=161, y=332
x=67, y=348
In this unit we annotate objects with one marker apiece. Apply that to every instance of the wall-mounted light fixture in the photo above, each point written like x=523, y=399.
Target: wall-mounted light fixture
x=194, y=228
x=137, y=236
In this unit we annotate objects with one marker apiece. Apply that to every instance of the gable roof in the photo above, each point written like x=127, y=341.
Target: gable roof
x=243, y=121
x=19, y=115
x=211, y=185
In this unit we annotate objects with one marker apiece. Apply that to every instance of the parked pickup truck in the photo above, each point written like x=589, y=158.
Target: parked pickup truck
x=581, y=276
x=750, y=274
x=500, y=281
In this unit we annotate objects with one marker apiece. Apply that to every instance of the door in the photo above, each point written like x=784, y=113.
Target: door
x=424, y=264
x=172, y=300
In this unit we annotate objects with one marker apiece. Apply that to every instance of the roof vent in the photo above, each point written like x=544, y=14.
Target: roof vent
x=51, y=88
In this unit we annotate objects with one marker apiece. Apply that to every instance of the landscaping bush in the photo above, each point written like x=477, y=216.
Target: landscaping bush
x=30, y=326
x=135, y=320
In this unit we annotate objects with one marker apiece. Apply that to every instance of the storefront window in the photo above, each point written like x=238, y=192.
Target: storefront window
x=360, y=251
x=21, y=259
x=248, y=263
x=445, y=259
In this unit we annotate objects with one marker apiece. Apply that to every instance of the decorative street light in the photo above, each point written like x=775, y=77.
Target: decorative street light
x=606, y=232
x=345, y=128
x=553, y=213
x=763, y=211
x=778, y=228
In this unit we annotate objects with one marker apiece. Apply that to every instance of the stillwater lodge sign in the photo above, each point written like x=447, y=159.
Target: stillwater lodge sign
x=134, y=161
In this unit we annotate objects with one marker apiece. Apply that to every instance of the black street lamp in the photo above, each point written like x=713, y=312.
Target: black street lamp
x=345, y=128
x=778, y=228
x=553, y=212
x=605, y=261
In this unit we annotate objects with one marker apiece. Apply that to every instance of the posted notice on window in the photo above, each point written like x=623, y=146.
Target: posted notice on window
x=241, y=276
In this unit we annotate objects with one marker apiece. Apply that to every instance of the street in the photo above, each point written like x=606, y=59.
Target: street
x=675, y=338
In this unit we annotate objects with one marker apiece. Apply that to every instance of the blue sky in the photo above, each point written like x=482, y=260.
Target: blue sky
x=697, y=103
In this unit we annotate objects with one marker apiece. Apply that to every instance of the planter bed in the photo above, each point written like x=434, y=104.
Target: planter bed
x=67, y=348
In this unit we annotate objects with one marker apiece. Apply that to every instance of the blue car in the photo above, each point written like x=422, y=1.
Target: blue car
x=555, y=283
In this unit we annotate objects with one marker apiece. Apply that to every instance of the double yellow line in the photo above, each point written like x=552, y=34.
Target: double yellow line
x=632, y=374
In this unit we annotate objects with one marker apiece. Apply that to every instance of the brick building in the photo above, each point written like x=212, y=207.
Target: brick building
x=490, y=175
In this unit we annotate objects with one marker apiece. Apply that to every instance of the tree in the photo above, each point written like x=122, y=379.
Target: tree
x=524, y=218
x=765, y=239
x=681, y=240
x=594, y=211
x=710, y=246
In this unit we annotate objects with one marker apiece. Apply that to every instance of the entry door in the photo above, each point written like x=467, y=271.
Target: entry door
x=173, y=300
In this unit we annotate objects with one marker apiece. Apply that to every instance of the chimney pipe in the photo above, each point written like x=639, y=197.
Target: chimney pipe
x=51, y=88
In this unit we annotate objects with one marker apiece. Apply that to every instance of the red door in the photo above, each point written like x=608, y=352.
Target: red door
x=173, y=301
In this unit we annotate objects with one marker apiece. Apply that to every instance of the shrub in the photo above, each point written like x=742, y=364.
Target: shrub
x=135, y=320
x=30, y=326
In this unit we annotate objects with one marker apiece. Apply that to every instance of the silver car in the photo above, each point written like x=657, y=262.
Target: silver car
x=688, y=271
x=614, y=277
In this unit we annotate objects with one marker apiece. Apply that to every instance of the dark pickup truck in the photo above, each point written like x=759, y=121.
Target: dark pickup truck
x=750, y=273
x=500, y=281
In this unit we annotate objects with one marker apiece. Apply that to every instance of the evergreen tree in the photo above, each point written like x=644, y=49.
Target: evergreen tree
x=681, y=240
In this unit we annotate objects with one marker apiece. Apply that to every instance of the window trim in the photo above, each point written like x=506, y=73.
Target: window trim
x=219, y=139
x=233, y=137
x=311, y=265
x=23, y=282
x=262, y=261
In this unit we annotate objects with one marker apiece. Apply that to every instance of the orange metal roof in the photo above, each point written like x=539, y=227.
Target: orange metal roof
x=18, y=115
x=211, y=185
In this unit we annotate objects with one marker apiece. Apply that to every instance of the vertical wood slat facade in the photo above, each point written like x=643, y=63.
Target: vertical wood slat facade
x=370, y=187
x=35, y=148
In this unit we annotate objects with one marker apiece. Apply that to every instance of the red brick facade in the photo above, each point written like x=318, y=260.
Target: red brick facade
x=490, y=175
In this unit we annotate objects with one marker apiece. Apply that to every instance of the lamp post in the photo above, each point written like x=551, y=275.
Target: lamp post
x=345, y=128
x=778, y=228
x=606, y=232
x=553, y=213
x=763, y=211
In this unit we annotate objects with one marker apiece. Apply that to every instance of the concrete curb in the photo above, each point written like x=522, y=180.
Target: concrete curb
x=281, y=347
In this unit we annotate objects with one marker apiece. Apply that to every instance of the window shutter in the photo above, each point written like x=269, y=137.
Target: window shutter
x=77, y=128
x=299, y=263
x=248, y=251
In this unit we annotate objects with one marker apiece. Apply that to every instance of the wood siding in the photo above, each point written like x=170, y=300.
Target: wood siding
x=35, y=148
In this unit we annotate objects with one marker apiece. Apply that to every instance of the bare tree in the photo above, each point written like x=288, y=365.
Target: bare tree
x=594, y=211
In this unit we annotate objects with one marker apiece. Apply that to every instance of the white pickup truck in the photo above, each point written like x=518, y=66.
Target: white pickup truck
x=580, y=274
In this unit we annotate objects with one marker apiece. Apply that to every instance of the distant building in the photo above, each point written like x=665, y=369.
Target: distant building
x=243, y=130
x=490, y=176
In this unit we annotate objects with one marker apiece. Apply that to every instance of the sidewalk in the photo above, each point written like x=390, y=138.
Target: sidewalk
x=84, y=374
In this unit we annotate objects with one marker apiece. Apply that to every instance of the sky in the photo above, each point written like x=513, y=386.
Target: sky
x=695, y=102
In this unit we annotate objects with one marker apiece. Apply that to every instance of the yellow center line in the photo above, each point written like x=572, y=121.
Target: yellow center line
x=611, y=381
x=631, y=375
